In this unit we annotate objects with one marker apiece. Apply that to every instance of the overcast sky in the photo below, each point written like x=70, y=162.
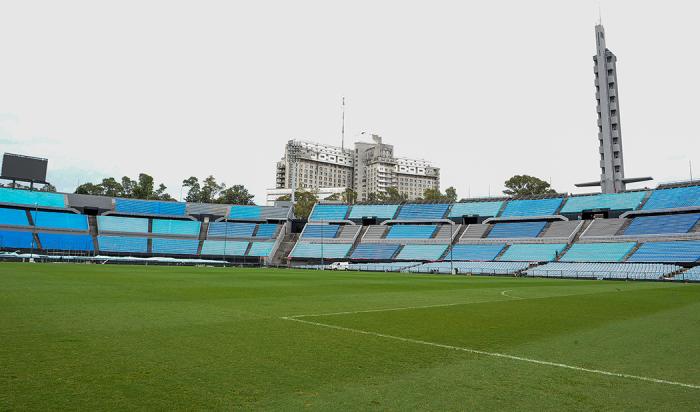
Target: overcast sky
x=483, y=89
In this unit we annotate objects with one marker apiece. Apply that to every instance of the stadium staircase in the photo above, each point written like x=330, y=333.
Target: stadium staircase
x=284, y=249
x=644, y=200
x=578, y=234
x=359, y=236
x=203, y=230
x=92, y=228
x=498, y=256
x=460, y=232
x=632, y=251
x=624, y=227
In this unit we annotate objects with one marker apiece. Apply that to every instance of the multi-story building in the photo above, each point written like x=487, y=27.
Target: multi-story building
x=370, y=168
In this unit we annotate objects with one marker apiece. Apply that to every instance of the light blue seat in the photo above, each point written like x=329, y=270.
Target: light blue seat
x=20, y=240
x=61, y=241
x=674, y=252
x=149, y=207
x=377, y=211
x=318, y=250
x=429, y=211
x=122, y=244
x=489, y=209
x=13, y=217
x=374, y=251
x=535, y=252
x=122, y=224
x=474, y=252
x=536, y=207
x=516, y=230
x=612, y=201
x=653, y=225
x=381, y=267
x=411, y=231
x=230, y=229
x=328, y=212
x=421, y=252
x=673, y=198
x=32, y=198
x=266, y=230
x=635, y=271
x=475, y=268
x=176, y=227
x=58, y=220
x=245, y=212
x=224, y=248
x=174, y=246
x=597, y=252
x=261, y=249
x=690, y=274
x=320, y=231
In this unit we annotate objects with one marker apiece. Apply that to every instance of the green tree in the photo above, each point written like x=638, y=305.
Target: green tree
x=210, y=189
x=236, y=195
x=394, y=196
x=194, y=190
x=451, y=194
x=110, y=187
x=142, y=188
x=89, y=189
x=525, y=185
x=349, y=196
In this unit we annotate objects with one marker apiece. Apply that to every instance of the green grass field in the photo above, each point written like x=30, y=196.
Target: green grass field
x=132, y=337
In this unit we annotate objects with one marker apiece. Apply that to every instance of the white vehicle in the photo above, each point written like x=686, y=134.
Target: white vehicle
x=339, y=266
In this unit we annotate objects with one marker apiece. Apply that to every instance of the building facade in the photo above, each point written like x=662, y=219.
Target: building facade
x=370, y=167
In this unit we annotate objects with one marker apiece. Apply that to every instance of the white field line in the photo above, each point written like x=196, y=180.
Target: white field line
x=495, y=354
x=506, y=294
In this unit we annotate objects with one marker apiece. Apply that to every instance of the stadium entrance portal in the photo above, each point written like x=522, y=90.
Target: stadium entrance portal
x=366, y=221
x=469, y=220
x=595, y=214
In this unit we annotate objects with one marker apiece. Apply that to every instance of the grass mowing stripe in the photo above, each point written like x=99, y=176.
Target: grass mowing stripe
x=495, y=354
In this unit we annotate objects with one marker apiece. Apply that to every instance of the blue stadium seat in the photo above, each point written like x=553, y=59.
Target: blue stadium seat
x=411, y=231
x=266, y=230
x=690, y=274
x=58, y=220
x=430, y=211
x=122, y=224
x=61, y=241
x=603, y=270
x=20, y=240
x=535, y=252
x=230, y=229
x=122, y=244
x=673, y=252
x=673, y=198
x=328, y=212
x=377, y=211
x=174, y=246
x=316, y=250
x=516, y=230
x=224, y=247
x=320, y=231
x=261, y=249
x=374, y=251
x=612, y=201
x=421, y=252
x=475, y=252
x=245, y=212
x=597, y=252
x=653, y=225
x=176, y=227
x=32, y=198
x=13, y=217
x=149, y=207
x=489, y=209
x=537, y=207
x=475, y=268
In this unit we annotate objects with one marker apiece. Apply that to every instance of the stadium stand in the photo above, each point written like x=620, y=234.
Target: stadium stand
x=611, y=201
x=673, y=198
x=692, y=274
x=318, y=250
x=421, y=252
x=597, y=252
x=516, y=230
x=603, y=228
x=475, y=231
x=176, y=227
x=257, y=213
x=267, y=230
x=348, y=233
x=32, y=198
x=675, y=252
x=20, y=240
x=325, y=212
x=653, y=225
x=536, y=207
x=320, y=231
x=475, y=252
x=230, y=229
x=381, y=267
x=63, y=241
x=13, y=217
x=538, y=252
x=122, y=244
x=429, y=211
x=411, y=231
x=561, y=229
x=376, y=211
x=604, y=270
x=122, y=224
x=375, y=251
x=374, y=233
x=474, y=268
x=58, y=220
x=260, y=249
x=149, y=207
x=224, y=248
x=484, y=209
x=174, y=246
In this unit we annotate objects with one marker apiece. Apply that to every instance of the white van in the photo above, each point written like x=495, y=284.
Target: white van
x=339, y=266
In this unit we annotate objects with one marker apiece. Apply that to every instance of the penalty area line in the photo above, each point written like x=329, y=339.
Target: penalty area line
x=494, y=354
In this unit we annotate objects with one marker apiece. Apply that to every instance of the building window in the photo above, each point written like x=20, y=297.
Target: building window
x=617, y=169
x=616, y=155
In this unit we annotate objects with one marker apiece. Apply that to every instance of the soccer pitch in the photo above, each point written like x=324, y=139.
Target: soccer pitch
x=105, y=337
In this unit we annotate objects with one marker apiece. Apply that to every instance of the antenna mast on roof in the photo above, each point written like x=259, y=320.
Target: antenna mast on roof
x=342, y=129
